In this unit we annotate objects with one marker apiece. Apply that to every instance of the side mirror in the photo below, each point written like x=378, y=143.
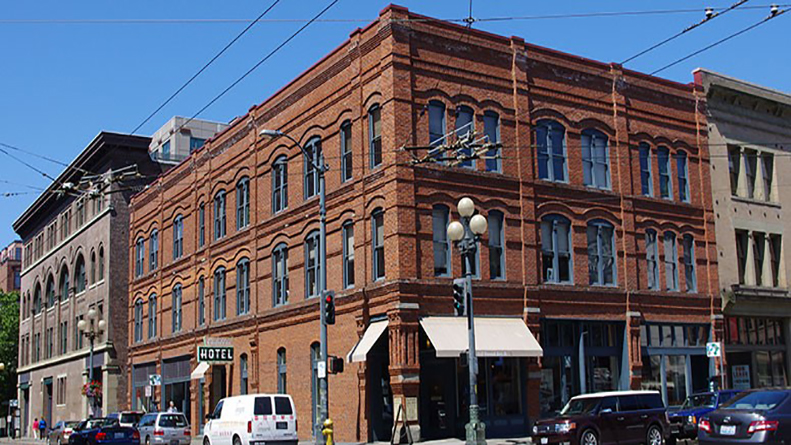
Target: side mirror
x=606, y=411
x=208, y=417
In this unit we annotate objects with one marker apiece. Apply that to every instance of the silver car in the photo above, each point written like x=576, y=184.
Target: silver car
x=164, y=429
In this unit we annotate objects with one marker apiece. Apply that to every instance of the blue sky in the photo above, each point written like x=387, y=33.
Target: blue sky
x=62, y=83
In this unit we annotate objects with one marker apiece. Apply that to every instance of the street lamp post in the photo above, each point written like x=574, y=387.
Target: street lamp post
x=465, y=235
x=91, y=329
x=322, y=168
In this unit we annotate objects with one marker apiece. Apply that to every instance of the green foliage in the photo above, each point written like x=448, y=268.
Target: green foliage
x=9, y=343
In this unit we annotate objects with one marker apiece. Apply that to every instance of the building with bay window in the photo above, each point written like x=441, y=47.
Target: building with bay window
x=600, y=236
x=749, y=134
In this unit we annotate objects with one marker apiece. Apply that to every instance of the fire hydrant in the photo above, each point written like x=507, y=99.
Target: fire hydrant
x=327, y=432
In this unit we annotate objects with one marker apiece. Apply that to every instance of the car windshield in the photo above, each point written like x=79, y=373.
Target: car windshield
x=98, y=423
x=577, y=407
x=700, y=401
x=760, y=400
x=172, y=421
x=130, y=417
x=72, y=424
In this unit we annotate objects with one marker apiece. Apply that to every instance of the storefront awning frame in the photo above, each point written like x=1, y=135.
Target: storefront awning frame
x=370, y=337
x=494, y=336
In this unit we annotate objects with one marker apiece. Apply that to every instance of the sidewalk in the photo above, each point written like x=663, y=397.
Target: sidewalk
x=199, y=440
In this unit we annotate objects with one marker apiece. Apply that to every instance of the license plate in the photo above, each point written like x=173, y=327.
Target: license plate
x=728, y=430
x=174, y=442
x=544, y=440
x=281, y=425
x=120, y=435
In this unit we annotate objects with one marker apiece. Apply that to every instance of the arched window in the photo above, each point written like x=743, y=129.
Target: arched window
x=219, y=215
x=496, y=245
x=243, y=287
x=79, y=280
x=140, y=255
x=63, y=286
x=689, y=264
x=465, y=125
x=201, y=224
x=551, y=148
x=282, y=387
x=219, y=294
x=152, y=316
x=201, y=301
x=671, y=262
x=646, y=170
x=311, y=158
x=243, y=374
x=440, y=218
x=601, y=253
x=378, y=243
x=491, y=128
x=243, y=203
x=556, y=260
x=178, y=236
x=280, y=275
x=176, y=309
x=138, y=321
x=347, y=163
x=312, y=265
x=595, y=159
x=683, y=176
x=652, y=259
x=37, y=299
x=665, y=177
x=101, y=263
x=153, y=250
x=436, y=122
x=93, y=267
x=280, y=184
x=348, y=254
x=375, y=135
x=50, y=290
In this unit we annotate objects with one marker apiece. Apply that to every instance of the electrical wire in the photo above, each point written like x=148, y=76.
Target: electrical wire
x=35, y=169
x=206, y=65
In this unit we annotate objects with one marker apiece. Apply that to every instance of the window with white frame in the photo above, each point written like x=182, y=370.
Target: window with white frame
x=219, y=294
x=551, y=148
x=439, y=222
x=671, y=262
x=682, y=169
x=280, y=184
x=665, y=179
x=178, y=237
x=312, y=159
x=652, y=259
x=601, y=253
x=312, y=265
x=375, y=135
x=347, y=160
x=243, y=287
x=690, y=276
x=595, y=159
x=219, y=215
x=176, y=310
x=152, y=316
x=556, y=262
x=140, y=255
x=138, y=321
x=153, y=250
x=280, y=275
x=348, y=254
x=243, y=203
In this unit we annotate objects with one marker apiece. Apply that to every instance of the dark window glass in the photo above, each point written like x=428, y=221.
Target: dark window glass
x=375, y=135
x=262, y=406
x=283, y=406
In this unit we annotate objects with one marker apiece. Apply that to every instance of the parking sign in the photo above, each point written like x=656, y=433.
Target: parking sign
x=713, y=349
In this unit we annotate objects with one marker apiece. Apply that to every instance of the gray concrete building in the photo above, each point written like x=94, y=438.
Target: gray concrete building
x=180, y=136
x=749, y=135
x=75, y=237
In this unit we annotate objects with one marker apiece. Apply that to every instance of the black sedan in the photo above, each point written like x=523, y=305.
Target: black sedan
x=759, y=416
x=103, y=431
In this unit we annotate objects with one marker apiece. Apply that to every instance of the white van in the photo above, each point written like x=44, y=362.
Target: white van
x=255, y=419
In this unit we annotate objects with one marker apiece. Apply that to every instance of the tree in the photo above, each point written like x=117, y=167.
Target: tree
x=9, y=343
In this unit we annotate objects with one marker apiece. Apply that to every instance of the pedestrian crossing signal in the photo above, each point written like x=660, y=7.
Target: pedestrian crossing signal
x=460, y=296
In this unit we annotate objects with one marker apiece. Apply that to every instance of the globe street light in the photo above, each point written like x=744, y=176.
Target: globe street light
x=91, y=329
x=466, y=234
x=321, y=168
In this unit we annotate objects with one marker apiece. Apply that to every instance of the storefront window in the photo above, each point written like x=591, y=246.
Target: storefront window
x=674, y=360
x=557, y=383
x=676, y=374
x=504, y=382
x=602, y=373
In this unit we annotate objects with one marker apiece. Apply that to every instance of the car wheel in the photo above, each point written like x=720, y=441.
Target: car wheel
x=237, y=441
x=654, y=436
x=589, y=438
x=148, y=440
x=206, y=441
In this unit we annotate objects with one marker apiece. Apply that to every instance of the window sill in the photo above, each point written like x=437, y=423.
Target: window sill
x=756, y=202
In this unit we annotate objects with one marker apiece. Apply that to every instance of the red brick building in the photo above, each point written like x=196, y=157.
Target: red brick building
x=599, y=166
x=10, y=267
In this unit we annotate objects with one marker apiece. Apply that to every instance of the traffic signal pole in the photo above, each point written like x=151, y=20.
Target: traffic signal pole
x=324, y=406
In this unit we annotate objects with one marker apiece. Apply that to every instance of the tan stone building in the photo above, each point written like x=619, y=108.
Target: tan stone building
x=10, y=267
x=750, y=144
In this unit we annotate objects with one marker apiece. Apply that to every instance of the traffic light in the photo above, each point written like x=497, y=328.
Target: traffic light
x=329, y=307
x=334, y=365
x=460, y=296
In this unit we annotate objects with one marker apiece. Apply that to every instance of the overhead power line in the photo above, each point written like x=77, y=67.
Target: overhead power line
x=206, y=65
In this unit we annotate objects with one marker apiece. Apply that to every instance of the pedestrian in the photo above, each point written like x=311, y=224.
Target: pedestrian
x=35, y=428
x=172, y=407
x=42, y=427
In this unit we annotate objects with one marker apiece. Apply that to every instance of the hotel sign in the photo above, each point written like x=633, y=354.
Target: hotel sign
x=215, y=354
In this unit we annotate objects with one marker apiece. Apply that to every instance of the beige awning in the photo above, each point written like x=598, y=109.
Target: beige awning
x=372, y=333
x=494, y=337
x=199, y=371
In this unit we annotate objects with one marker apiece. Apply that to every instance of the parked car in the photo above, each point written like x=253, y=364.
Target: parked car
x=103, y=431
x=757, y=416
x=242, y=420
x=59, y=434
x=164, y=428
x=684, y=419
x=620, y=417
x=127, y=418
